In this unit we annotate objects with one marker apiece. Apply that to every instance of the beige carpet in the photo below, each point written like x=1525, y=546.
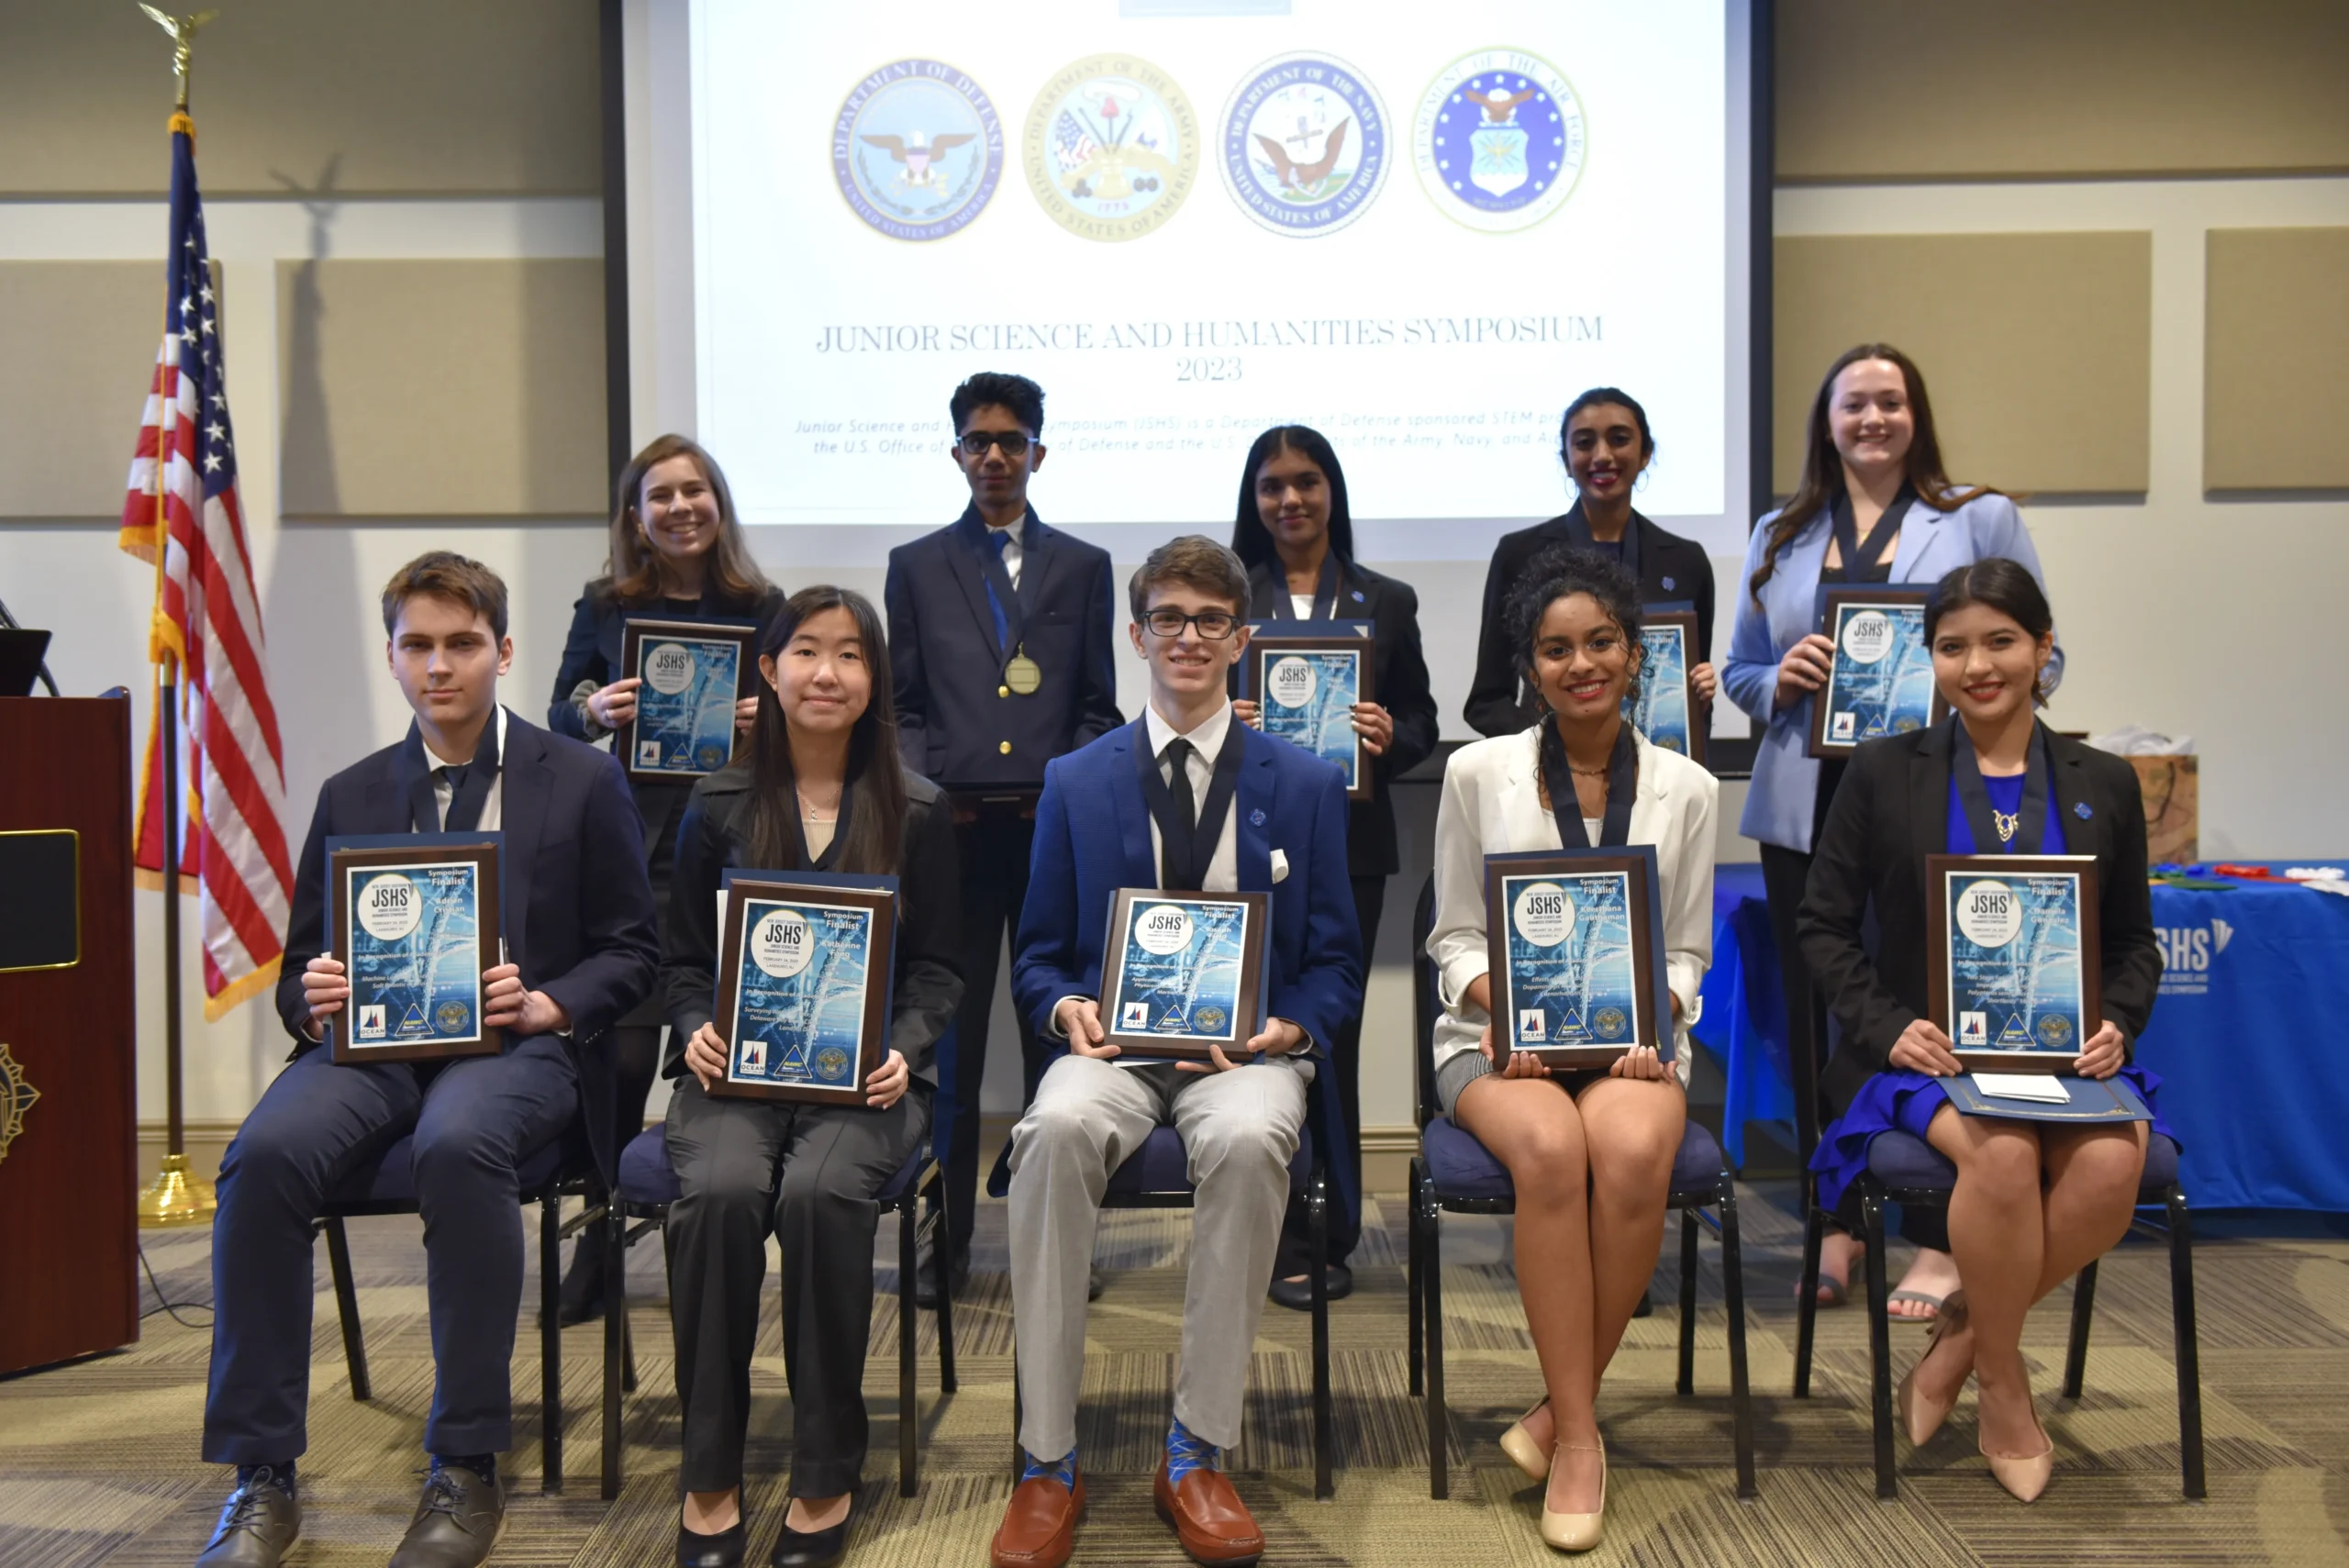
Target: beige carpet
x=98, y=1460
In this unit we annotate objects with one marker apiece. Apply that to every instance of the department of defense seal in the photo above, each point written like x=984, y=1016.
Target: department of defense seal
x=1608, y=1022
x=1209, y=1019
x=711, y=756
x=2056, y=1031
x=451, y=1016
x=918, y=150
x=1305, y=145
x=1111, y=148
x=831, y=1062
x=1500, y=139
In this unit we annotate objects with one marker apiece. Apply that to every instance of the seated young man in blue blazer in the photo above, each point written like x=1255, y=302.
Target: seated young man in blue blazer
x=578, y=912
x=1226, y=809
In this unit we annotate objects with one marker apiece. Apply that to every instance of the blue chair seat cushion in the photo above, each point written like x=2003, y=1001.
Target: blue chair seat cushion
x=1464, y=1170
x=647, y=1178
x=1901, y=1159
x=392, y=1179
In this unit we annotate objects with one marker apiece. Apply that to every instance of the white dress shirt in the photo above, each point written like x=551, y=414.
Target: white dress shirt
x=493, y=810
x=1011, y=552
x=1207, y=740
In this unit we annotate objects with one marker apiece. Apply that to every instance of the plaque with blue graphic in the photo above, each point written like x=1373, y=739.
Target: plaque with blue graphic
x=1880, y=681
x=803, y=979
x=1183, y=973
x=413, y=919
x=2015, y=957
x=692, y=673
x=1305, y=683
x=1575, y=939
x=1666, y=710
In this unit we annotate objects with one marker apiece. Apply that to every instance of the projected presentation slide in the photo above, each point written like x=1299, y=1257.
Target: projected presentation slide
x=1420, y=228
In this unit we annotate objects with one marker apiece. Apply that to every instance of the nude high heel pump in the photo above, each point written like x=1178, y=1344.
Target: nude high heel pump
x=2026, y=1478
x=1577, y=1532
x=1922, y=1414
x=1522, y=1451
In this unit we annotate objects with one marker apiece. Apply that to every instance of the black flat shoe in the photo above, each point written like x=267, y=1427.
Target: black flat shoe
x=811, y=1549
x=581, y=1297
x=723, y=1549
x=958, y=1277
x=1296, y=1294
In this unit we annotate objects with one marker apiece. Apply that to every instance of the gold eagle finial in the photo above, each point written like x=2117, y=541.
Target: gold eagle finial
x=183, y=31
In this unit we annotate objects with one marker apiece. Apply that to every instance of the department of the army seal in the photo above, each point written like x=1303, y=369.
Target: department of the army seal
x=1500, y=139
x=918, y=150
x=1305, y=144
x=1111, y=148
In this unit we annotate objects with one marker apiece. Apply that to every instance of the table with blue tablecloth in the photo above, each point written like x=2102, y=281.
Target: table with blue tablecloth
x=2247, y=1035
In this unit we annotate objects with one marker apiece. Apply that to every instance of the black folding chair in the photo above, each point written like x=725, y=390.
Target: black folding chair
x=1453, y=1173
x=648, y=1186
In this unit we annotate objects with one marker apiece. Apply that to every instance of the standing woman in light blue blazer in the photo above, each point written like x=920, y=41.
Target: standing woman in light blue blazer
x=1874, y=504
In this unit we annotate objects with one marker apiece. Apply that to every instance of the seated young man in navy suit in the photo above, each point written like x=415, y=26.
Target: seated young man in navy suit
x=1223, y=809
x=578, y=912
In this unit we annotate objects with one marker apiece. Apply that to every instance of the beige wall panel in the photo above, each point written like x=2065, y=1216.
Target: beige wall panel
x=79, y=340
x=422, y=389
x=357, y=96
x=2275, y=359
x=1999, y=89
x=1986, y=318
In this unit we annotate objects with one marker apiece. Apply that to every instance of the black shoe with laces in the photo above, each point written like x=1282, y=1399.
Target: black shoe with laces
x=257, y=1525
x=457, y=1522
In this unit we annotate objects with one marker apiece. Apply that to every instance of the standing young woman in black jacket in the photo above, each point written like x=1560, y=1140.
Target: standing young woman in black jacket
x=822, y=789
x=2034, y=1201
x=1295, y=535
x=677, y=553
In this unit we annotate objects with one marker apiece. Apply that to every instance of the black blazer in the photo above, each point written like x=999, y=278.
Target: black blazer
x=1670, y=568
x=578, y=910
x=954, y=714
x=1399, y=684
x=714, y=835
x=592, y=652
x=1891, y=811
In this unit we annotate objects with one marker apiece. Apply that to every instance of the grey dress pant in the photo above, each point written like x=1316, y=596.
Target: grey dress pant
x=1240, y=1132
x=807, y=1175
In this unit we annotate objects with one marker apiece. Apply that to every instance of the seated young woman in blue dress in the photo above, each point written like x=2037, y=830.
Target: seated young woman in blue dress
x=2034, y=1201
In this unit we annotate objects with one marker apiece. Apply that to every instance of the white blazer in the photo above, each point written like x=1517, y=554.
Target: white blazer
x=1492, y=805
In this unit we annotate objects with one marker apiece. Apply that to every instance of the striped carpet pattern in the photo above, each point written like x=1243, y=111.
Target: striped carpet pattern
x=98, y=1460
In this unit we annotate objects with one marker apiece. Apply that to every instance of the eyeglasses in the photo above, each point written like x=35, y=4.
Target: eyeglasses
x=1214, y=625
x=1013, y=442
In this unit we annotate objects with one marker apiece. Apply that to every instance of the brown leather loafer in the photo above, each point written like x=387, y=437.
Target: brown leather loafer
x=1214, y=1526
x=1039, y=1528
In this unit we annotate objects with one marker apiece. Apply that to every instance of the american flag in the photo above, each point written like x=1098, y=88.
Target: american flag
x=182, y=514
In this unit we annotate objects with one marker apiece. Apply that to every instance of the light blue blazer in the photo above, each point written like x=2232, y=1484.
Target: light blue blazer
x=1780, y=804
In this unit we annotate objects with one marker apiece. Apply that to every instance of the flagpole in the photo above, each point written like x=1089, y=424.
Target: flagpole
x=177, y=1196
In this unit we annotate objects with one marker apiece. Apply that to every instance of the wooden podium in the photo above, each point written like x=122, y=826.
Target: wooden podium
x=69, y=1175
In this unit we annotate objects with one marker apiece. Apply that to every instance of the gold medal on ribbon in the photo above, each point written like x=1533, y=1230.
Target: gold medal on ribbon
x=1023, y=675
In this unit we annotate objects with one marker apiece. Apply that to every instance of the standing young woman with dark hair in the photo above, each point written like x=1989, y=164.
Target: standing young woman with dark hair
x=1295, y=535
x=1874, y=504
x=1590, y=1153
x=677, y=553
x=1606, y=445
x=2034, y=1201
x=822, y=788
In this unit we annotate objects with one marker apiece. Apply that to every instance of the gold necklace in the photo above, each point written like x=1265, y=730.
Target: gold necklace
x=2007, y=823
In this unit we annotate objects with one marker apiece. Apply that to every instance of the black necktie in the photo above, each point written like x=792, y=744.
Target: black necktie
x=1173, y=858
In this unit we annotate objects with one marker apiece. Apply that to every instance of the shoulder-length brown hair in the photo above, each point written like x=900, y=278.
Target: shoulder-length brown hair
x=633, y=568
x=872, y=835
x=1822, y=466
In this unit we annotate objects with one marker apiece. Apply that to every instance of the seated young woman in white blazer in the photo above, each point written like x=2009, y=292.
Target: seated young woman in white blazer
x=1590, y=1153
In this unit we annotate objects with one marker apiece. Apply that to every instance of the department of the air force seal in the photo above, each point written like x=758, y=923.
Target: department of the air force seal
x=1305, y=145
x=1500, y=139
x=918, y=150
x=1111, y=147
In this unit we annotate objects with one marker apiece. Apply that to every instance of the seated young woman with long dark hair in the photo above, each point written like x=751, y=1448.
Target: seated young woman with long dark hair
x=822, y=788
x=2034, y=1201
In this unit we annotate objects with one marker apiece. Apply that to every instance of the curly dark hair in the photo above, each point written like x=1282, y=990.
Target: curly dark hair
x=1559, y=574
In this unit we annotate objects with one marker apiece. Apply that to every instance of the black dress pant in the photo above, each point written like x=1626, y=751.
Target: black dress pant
x=808, y=1175
x=474, y=1119
x=1345, y=1063
x=993, y=861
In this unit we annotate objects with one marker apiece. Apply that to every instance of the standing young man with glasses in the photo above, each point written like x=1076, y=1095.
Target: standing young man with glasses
x=1184, y=799
x=1000, y=639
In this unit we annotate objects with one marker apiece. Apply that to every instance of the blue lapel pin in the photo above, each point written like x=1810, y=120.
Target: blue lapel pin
x=1667, y=584
x=2082, y=811
x=1357, y=595
x=1256, y=817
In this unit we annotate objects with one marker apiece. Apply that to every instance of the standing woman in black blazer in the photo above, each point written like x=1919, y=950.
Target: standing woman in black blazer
x=2034, y=1201
x=1294, y=532
x=1605, y=443
x=677, y=553
x=822, y=788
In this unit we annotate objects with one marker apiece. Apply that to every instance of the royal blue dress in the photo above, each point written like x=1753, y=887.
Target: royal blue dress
x=1897, y=1099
